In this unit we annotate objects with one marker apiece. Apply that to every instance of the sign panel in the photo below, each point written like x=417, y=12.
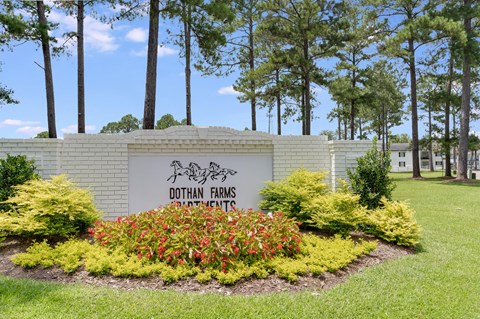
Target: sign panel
x=224, y=181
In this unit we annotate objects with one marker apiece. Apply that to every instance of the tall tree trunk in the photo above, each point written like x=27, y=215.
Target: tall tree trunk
x=447, y=142
x=430, y=142
x=466, y=95
x=42, y=20
x=80, y=68
x=279, y=103
x=345, y=127
x=360, y=131
x=384, y=128
x=413, y=94
x=188, y=92
x=308, y=108
x=251, y=61
x=387, y=137
x=352, y=102
x=151, y=76
x=339, y=127
x=303, y=109
x=379, y=127
x=454, y=122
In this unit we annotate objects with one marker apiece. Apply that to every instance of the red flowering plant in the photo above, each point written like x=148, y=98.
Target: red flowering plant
x=202, y=236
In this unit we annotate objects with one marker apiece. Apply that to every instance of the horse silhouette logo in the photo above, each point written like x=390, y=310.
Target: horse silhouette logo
x=197, y=173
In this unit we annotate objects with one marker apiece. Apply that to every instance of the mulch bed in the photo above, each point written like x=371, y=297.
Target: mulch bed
x=252, y=286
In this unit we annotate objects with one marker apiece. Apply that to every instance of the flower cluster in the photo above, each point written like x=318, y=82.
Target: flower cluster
x=202, y=236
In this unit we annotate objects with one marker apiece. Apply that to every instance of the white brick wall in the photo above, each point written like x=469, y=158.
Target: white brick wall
x=343, y=155
x=100, y=161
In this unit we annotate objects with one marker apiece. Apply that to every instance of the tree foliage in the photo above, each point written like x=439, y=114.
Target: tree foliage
x=14, y=170
x=167, y=121
x=370, y=178
x=127, y=123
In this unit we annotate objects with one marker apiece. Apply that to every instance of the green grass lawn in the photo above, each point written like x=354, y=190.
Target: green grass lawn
x=441, y=281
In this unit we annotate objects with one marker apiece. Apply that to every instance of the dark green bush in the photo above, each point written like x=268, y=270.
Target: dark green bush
x=370, y=178
x=14, y=170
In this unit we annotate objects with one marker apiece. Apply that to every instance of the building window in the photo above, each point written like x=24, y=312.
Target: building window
x=424, y=155
x=401, y=164
x=401, y=154
x=438, y=163
x=438, y=154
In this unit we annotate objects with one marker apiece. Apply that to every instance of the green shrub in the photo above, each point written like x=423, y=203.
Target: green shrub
x=67, y=255
x=317, y=255
x=201, y=236
x=14, y=170
x=39, y=254
x=370, y=178
x=394, y=222
x=292, y=194
x=339, y=213
x=49, y=207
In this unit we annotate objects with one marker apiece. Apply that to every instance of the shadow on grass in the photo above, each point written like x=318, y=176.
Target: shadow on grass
x=419, y=249
x=444, y=180
x=25, y=291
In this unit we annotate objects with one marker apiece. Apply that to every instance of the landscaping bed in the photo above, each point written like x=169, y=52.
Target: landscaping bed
x=251, y=286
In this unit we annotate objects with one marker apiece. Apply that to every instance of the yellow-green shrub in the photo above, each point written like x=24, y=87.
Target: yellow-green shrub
x=316, y=256
x=319, y=255
x=49, y=207
x=394, y=222
x=39, y=254
x=337, y=212
x=293, y=193
x=67, y=255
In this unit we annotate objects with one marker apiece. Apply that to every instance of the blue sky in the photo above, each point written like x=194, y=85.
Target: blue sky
x=115, y=63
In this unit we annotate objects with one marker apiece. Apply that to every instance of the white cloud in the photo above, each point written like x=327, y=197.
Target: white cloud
x=142, y=52
x=72, y=129
x=137, y=35
x=12, y=122
x=162, y=51
x=31, y=130
x=97, y=35
x=227, y=90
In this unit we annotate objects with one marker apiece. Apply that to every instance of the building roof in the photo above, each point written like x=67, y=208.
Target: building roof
x=394, y=147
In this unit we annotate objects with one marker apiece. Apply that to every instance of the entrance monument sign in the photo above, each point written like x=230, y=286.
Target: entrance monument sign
x=226, y=181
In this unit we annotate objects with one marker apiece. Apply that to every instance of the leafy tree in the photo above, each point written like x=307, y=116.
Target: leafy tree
x=34, y=27
x=127, y=123
x=470, y=12
x=362, y=31
x=412, y=26
x=332, y=136
x=200, y=25
x=309, y=31
x=385, y=100
x=167, y=121
x=240, y=51
x=400, y=138
x=272, y=77
x=14, y=170
x=43, y=134
x=473, y=147
x=6, y=94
